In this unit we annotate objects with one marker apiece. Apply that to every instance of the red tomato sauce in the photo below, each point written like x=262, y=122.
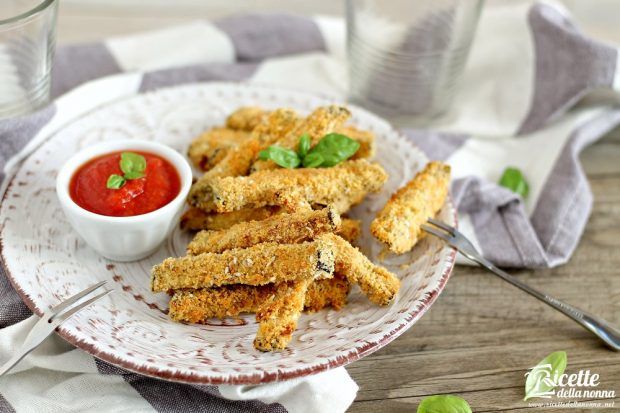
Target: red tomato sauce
x=159, y=185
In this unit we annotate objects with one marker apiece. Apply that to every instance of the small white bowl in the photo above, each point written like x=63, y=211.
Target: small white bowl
x=123, y=238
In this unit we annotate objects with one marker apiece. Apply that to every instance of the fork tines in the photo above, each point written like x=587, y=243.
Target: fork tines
x=61, y=307
x=72, y=310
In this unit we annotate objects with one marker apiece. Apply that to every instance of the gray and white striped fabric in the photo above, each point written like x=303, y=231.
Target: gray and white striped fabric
x=528, y=67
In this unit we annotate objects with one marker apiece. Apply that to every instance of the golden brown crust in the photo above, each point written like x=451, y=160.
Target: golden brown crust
x=377, y=283
x=257, y=265
x=199, y=305
x=269, y=249
x=277, y=317
x=321, y=121
x=246, y=118
x=238, y=159
x=366, y=140
x=195, y=219
x=283, y=229
x=398, y=224
x=327, y=292
x=341, y=186
x=350, y=229
x=208, y=149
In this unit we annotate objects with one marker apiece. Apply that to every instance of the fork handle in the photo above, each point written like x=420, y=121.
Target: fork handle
x=601, y=328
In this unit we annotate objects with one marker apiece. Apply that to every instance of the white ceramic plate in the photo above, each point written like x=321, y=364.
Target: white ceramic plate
x=47, y=261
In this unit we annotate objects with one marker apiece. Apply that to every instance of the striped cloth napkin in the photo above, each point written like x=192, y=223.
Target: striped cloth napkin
x=520, y=105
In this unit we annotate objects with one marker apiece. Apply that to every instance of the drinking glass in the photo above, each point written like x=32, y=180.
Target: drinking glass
x=27, y=40
x=406, y=56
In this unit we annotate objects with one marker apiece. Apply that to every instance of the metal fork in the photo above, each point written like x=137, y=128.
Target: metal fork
x=51, y=319
x=601, y=328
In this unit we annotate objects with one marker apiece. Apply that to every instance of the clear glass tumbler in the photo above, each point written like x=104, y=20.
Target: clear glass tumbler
x=27, y=40
x=405, y=56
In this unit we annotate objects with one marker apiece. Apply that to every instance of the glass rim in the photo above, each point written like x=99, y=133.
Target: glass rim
x=42, y=6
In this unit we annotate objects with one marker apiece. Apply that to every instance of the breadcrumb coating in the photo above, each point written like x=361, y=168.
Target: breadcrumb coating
x=327, y=292
x=283, y=229
x=377, y=283
x=398, y=224
x=246, y=118
x=343, y=185
x=277, y=317
x=350, y=229
x=199, y=305
x=321, y=121
x=208, y=149
x=238, y=159
x=257, y=265
x=195, y=219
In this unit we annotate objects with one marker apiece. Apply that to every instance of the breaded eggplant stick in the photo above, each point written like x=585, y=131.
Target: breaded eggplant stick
x=350, y=229
x=199, y=305
x=257, y=265
x=283, y=229
x=321, y=121
x=195, y=219
x=366, y=140
x=377, y=283
x=277, y=317
x=246, y=118
x=398, y=224
x=327, y=292
x=238, y=160
x=343, y=185
x=208, y=149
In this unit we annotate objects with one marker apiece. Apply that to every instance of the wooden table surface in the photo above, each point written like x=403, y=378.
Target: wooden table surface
x=481, y=335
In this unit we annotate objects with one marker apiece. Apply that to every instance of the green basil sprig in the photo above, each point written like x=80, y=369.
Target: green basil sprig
x=443, y=403
x=133, y=166
x=332, y=149
x=115, y=182
x=286, y=158
x=513, y=179
x=541, y=379
x=304, y=145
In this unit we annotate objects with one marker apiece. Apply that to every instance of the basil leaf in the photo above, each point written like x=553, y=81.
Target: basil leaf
x=541, y=379
x=133, y=175
x=335, y=148
x=286, y=158
x=313, y=160
x=304, y=145
x=115, y=182
x=443, y=403
x=132, y=164
x=513, y=179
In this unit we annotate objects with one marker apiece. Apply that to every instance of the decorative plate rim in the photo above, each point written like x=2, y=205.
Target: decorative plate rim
x=217, y=378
